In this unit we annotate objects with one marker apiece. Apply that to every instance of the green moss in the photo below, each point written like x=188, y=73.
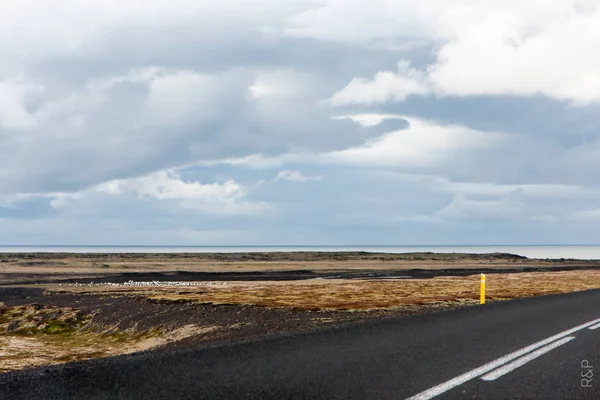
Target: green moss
x=59, y=328
x=34, y=319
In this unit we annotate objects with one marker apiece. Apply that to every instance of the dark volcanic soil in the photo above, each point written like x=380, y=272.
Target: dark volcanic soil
x=188, y=276
x=257, y=256
x=415, y=273
x=234, y=322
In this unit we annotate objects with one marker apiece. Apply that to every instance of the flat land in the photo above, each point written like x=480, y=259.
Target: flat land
x=57, y=307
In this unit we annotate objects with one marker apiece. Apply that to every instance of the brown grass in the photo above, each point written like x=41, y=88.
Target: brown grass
x=23, y=351
x=27, y=341
x=365, y=295
x=30, y=347
x=13, y=266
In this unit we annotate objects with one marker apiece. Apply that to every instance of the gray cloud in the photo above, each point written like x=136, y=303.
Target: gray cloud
x=240, y=91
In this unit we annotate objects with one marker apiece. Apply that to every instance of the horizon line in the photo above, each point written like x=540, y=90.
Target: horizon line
x=296, y=245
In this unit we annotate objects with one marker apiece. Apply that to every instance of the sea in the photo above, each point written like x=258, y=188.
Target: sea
x=541, y=252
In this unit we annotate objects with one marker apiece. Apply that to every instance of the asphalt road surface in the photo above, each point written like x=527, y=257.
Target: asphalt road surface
x=540, y=348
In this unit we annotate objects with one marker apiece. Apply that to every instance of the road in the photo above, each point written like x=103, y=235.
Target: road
x=537, y=348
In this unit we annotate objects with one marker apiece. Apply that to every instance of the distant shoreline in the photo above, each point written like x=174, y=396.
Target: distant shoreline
x=541, y=252
x=295, y=256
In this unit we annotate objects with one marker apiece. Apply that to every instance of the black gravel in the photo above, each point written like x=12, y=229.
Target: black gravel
x=385, y=359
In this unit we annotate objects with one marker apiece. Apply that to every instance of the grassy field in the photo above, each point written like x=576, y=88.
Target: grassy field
x=144, y=317
x=38, y=267
x=360, y=295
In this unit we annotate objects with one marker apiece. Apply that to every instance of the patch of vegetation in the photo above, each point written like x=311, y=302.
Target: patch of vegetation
x=35, y=319
x=380, y=295
x=59, y=327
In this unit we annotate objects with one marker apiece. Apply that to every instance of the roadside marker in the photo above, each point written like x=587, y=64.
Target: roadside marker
x=482, y=290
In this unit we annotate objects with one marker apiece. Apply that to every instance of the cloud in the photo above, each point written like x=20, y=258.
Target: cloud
x=474, y=202
x=14, y=95
x=117, y=231
x=296, y=176
x=440, y=184
x=122, y=90
x=545, y=218
x=369, y=120
x=482, y=48
x=154, y=118
x=464, y=209
x=420, y=218
x=423, y=143
x=365, y=22
x=71, y=26
x=133, y=119
x=227, y=198
x=385, y=87
x=592, y=216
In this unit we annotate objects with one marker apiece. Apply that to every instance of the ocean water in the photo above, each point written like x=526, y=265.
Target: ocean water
x=579, y=252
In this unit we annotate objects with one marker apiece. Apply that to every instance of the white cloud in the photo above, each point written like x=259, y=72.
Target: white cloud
x=56, y=200
x=220, y=198
x=14, y=94
x=296, y=176
x=122, y=89
x=521, y=48
x=260, y=161
x=385, y=87
x=423, y=143
x=109, y=231
x=98, y=96
x=226, y=198
x=586, y=216
x=70, y=26
x=154, y=118
x=181, y=95
x=167, y=185
x=368, y=120
x=283, y=83
x=545, y=218
x=170, y=95
x=440, y=184
x=61, y=200
x=429, y=219
x=365, y=21
x=462, y=208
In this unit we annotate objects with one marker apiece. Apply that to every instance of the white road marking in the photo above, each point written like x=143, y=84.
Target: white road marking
x=497, y=373
x=595, y=326
x=459, y=380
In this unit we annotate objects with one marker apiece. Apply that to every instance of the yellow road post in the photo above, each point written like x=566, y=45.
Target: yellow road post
x=482, y=290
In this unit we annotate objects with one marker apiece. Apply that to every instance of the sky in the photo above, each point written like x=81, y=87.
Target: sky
x=299, y=122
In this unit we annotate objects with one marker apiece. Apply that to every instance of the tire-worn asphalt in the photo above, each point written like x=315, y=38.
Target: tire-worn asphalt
x=385, y=359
